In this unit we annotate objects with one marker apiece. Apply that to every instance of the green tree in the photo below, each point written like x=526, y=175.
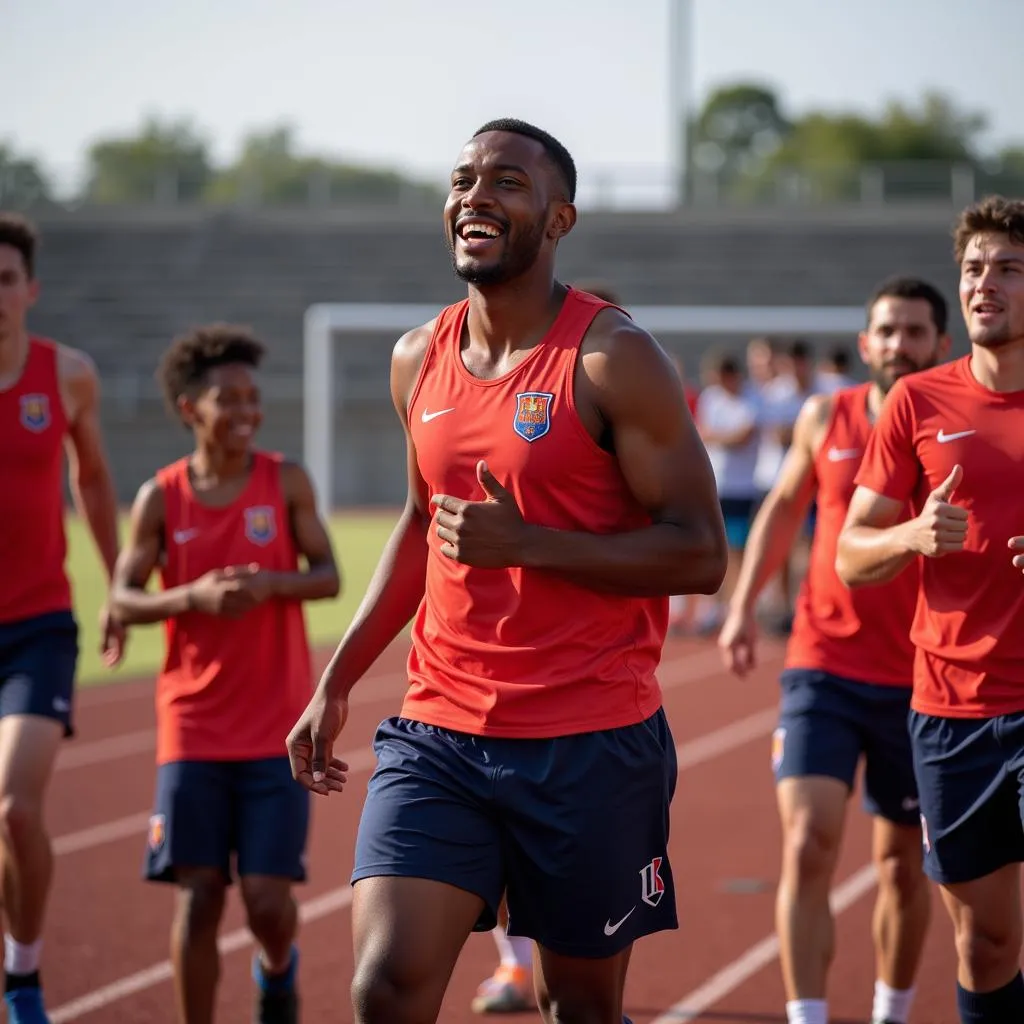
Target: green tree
x=270, y=171
x=739, y=127
x=23, y=182
x=164, y=162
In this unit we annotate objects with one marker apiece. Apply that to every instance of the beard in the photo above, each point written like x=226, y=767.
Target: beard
x=886, y=376
x=518, y=256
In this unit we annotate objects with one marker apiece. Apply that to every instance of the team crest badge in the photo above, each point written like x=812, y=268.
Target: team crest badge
x=35, y=412
x=260, y=527
x=778, y=747
x=157, y=831
x=652, y=884
x=533, y=414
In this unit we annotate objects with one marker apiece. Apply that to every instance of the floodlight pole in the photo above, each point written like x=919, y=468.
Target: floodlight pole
x=680, y=70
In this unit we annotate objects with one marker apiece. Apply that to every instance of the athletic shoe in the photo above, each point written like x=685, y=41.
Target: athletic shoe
x=25, y=1006
x=277, y=1001
x=507, y=991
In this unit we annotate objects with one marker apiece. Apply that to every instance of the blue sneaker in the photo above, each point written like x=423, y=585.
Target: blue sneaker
x=25, y=1006
x=277, y=1001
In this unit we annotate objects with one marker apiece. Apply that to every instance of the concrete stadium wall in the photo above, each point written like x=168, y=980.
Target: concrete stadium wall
x=120, y=284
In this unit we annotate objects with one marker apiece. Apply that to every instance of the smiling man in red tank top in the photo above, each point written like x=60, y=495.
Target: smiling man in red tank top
x=227, y=527
x=558, y=494
x=951, y=443
x=49, y=409
x=847, y=679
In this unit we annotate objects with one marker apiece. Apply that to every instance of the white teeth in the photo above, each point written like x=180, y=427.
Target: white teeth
x=487, y=229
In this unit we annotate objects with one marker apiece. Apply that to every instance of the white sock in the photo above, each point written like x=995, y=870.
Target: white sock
x=19, y=959
x=807, y=1011
x=514, y=950
x=892, y=1004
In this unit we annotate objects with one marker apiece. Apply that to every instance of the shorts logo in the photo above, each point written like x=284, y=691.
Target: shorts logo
x=533, y=414
x=778, y=747
x=157, y=831
x=652, y=887
x=260, y=526
x=925, y=841
x=35, y=412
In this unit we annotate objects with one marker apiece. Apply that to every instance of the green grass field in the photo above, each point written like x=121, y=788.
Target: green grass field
x=358, y=541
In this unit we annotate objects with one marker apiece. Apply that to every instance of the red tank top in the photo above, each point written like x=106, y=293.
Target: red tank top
x=520, y=652
x=230, y=689
x=33, y=426
x=862, y=634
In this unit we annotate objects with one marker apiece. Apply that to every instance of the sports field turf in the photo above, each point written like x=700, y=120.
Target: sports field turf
x=358, y=540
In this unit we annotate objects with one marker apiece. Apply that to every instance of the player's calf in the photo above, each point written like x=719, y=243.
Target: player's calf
x=272, y=916
x=194, y=951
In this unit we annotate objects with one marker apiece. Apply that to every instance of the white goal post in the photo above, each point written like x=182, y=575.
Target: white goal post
x=326, y=323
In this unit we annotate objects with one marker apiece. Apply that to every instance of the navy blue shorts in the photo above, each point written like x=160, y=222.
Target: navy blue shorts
x=971, y=775
x=209, y=813
x=574, y=830
x=738, y=514
x=827, y=723
x=38, y=659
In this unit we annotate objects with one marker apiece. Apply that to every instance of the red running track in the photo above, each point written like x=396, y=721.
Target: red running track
x=105, y=957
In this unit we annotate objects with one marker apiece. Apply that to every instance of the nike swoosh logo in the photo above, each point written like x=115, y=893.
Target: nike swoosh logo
x=841, y=454
x=611, y=929
x=943, y=438
x=183, y=536
x=426, y=417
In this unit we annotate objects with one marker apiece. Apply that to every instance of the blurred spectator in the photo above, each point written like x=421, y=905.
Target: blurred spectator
x=727, y=417
x=833, y=372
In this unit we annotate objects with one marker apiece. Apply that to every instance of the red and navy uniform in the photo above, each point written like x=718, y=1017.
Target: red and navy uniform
x=531, y=751
x=846, y=682
x=38, y=632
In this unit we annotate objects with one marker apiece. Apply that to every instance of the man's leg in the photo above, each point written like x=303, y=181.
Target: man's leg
x=903, y=904
x=901, y=918
x=816, y=750
x=587, y=820
x=974, y=846
x=38, y=658
x=28, y=750
x=272, y=812
x=408, y=933
x=812, y=811
x=428, y=868
x=986, y=918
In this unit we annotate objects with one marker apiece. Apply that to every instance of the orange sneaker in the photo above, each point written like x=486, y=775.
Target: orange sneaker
x=506, y=991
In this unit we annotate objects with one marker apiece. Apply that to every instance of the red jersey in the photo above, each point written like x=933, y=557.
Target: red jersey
x=230, y=689
x=862, y=634
x=33, y=425
x=521, y=652
x=969, y=623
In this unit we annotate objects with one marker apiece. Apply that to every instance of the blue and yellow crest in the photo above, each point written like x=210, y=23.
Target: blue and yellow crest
x=533, y=414
x=260, y=526
x=35, y=412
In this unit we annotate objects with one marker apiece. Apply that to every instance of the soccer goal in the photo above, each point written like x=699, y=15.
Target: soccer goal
x=329, y=324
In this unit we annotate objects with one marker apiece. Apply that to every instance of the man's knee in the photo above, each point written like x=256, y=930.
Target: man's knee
x=809, y=848
x=900, y=872
x=21, y=818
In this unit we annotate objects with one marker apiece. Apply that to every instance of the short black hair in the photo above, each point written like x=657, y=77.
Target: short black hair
x=191, y=356
x=903, y=287
x=556, y=152
x=19, y=233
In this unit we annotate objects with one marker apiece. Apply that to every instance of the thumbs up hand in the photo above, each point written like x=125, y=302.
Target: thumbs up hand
x=488, y=534
x=941, y=528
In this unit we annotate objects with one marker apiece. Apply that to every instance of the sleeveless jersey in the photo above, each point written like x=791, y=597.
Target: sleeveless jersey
x=230, y=689
x=864, y=633
x=33, y=426
x=522, y=652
